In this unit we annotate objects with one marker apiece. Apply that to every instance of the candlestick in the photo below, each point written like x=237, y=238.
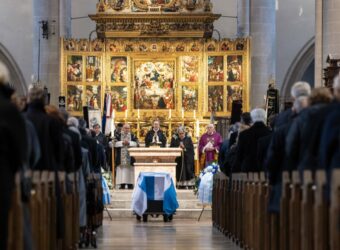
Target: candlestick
x=169, y=113
x=197, y=128
x=112, y=123
x=195, y=114
x=138, y=114
x=182, y=113
x=126, y=114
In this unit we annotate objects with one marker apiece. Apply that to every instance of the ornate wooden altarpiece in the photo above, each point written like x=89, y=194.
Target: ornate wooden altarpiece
x=154, y=59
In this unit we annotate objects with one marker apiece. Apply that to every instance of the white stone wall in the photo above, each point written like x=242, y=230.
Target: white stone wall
x=16, y=27
x=295, y=26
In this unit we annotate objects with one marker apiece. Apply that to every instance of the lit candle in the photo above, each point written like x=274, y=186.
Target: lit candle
x=126, y=114
x=169, y=113
x=197, y=128
x=194, y=114
x=138, y=114
x=182, y=113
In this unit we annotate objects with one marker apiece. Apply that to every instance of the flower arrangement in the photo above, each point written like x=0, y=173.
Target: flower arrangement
x=108, y=177
x=212, y=168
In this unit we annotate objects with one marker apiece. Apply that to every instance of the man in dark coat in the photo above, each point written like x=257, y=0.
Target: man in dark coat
x=12, y=150
x=248, y=140
x=276, y=160
x=48, y=129
x=299, y=136
x=155, y=136
x=185, y=163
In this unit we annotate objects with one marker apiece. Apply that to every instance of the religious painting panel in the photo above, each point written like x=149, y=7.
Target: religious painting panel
x=154, y=84
x=119, y=98
x=93, y=69
x=215, y=69
x=234, y=92
x=119, y=71
x=74, y=98
x=215, y=98
x=74, y=68
x=94, y=118
x=93, y=96
x=189, y=98
x=189, y=68
x=234, y=68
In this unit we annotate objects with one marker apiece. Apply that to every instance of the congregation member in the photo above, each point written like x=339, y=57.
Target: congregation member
x=209, y=146
x=123, y=161
x=247, y=145
x=155, y=136
x=12, y=150
x=299, y=137
x=276, y=160
x=185, y=163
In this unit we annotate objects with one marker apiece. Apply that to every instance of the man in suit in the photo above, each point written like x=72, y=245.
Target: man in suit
x=155, y=136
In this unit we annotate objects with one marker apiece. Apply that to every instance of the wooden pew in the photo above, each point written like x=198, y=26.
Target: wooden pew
x=284, y=211
x=307, y=218
x=53, y=211
x=35, y=206
x=295, y=213
x=321, y=213
x=334, y=218
x=15, y=219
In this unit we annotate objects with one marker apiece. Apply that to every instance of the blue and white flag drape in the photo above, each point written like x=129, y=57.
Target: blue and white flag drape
x=205, y=188
x=154, y=186
x=106, y=192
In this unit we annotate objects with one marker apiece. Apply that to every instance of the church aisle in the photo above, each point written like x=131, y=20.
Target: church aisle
x=179, y=234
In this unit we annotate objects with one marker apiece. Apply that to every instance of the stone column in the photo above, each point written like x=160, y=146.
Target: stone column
x=57, y=13
x=262, y=31
x=318, y=43
x=243, y=15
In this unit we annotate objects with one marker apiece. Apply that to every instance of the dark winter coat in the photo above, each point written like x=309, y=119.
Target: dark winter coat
x=13, y=144
x=247, y=147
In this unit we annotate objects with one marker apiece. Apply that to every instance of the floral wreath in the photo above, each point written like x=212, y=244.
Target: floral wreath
x=213, y=168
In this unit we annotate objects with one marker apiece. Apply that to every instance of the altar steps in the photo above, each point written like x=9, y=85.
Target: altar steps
x=189, y=206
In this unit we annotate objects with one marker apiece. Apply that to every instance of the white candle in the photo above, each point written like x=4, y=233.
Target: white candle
x=138, y=114
x=194, y=114
x=126, y=114
x=197, y=128
x=182, y=113
x=169, y=113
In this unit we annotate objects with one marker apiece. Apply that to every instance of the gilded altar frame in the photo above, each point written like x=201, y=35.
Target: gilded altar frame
x=216, y=86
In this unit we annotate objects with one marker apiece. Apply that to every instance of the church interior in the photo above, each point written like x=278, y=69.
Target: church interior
x=169, y=124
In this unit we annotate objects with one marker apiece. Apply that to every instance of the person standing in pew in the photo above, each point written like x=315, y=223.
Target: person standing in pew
x=247, y=146
x=276, y=161
x=155, y=136
x=12, y=150
x=298, y=139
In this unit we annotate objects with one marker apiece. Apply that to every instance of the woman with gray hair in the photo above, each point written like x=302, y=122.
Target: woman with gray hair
x=246, y=156
x=185, y=163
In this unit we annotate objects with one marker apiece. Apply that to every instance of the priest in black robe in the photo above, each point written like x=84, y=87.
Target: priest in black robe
x=185, y=163
x=155, y=136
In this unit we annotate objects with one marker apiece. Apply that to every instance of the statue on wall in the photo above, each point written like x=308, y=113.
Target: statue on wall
x=118, y=4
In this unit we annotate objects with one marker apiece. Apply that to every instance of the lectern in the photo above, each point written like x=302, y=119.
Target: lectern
x=155, y=160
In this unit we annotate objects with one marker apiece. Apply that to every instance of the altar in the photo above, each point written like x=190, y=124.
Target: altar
x=155, y=160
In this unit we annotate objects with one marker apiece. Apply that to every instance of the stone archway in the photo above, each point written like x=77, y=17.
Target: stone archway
x=17, y=78
x=298, y=68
